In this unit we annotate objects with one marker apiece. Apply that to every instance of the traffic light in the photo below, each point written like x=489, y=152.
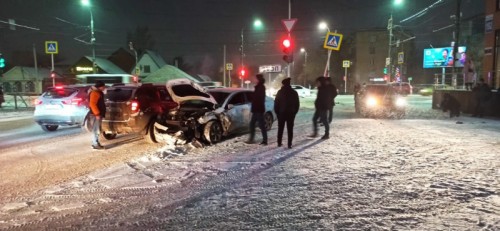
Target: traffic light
x=2, y=62
x=385, y=70
x=287, y=49
x=52, y=74
x=243, y=73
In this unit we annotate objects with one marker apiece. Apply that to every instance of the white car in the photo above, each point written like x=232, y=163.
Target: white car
x=61, y=105
x=208, y=116
x=302, y=91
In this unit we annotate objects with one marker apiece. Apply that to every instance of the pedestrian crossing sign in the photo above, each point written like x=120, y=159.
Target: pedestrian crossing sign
x=333, y=41
x=51, y=47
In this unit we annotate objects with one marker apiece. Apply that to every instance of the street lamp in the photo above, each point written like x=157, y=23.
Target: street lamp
x=323, y=26
x=257, y=24
x=303, y=50
x=389, y=28
x=86, y=3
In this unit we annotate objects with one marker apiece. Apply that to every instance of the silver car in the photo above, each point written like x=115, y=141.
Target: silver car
x=62, y=105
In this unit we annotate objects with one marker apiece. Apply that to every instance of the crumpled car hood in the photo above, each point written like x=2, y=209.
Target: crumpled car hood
x=182, y=90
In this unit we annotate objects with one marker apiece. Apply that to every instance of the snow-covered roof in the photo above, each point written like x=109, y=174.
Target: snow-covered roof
x=166, y=73
x=106, y=65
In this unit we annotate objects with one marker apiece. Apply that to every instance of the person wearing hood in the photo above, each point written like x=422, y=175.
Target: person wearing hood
x=98, y=110
x=322, y=104
x=286, y=106
x=258, y=109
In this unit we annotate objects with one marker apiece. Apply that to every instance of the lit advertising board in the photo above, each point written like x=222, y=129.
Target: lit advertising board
x=443, y=57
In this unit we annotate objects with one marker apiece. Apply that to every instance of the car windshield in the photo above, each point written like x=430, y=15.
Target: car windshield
x=57, y=93
x=220, y=97
x=188, y=90
x=119, y=94
x=377, y=89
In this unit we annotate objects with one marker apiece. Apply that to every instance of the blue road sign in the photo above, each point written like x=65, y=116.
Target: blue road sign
x=332, y=41
x=51, y=47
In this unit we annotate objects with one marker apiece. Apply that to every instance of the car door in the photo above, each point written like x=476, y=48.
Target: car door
x=237, y=108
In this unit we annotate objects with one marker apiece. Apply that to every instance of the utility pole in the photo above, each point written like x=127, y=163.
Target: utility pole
x=389, y=69
x=224, y=66
x=456, y=39
x=289, y=34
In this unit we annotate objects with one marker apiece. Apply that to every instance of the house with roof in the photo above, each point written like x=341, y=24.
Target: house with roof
x=102, y=66
x=149, y=62
x=28, y=80
x=124, y=59
x=166, y=73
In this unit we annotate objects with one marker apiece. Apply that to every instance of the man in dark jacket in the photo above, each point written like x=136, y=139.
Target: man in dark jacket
x=332, y=90
x=98, y=109
x=286, y=106
x=258, y=109
x=482, y=93
x=322, y=105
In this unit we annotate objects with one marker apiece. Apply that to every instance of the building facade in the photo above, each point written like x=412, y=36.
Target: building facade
x=369, y=56
x=491, y=60
x=28, y=81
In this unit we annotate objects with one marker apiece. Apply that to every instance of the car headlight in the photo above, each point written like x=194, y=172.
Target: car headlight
x=371, y=102
x=400, y=102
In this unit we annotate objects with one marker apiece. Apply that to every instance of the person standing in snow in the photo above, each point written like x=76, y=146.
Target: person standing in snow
x=98, y=109
x=286, y=106
x=258, y=109
x=332, y=90
x=322, y=105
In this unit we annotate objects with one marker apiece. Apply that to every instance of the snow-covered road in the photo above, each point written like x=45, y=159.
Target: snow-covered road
x=426, y=172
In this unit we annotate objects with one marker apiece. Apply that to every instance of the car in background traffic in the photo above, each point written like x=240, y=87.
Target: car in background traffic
x=402, y=88
x=428, y=89
x=62, y=106
x=380, y=100
x=134, y=109
x=302, y=91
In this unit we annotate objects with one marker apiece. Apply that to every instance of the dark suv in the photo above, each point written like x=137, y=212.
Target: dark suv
x=134, y=109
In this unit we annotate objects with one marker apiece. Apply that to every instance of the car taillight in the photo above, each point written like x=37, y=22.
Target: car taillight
x=37, y=102
x=134, y=106
x=74, y=101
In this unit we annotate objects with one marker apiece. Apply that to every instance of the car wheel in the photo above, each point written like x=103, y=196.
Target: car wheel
x=268, y=120
x=109, y=136
x=88, y=123
x=49, y=128
x=150, y=133
x=212, y=132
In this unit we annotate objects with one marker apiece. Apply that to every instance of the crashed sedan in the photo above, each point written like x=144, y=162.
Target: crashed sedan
x=200, y=117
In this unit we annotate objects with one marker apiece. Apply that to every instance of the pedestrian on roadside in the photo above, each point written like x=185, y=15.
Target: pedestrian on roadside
x=2, y=99
x=286, y=106
x=98, y=109
x=482, y=93
x=332, y=90
x=321, y=105
x=469, y=73
x=258, y=109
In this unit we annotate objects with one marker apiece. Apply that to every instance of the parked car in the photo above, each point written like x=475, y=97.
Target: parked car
x=380, y=100
x=62, y=106
x=402, y=88
x=301, y=90
x=134, y=109
x=208, y=116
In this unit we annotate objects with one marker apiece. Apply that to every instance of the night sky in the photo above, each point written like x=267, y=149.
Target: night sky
x=198, y=29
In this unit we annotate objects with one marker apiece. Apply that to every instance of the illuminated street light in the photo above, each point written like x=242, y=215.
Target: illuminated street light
x=92, y=36
x=257, y=23
x=323, y=26
x=302, y=50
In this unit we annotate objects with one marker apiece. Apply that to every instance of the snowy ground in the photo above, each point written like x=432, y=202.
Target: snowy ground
x=425, y=172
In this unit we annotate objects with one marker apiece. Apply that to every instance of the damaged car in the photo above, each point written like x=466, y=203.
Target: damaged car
x=207, y=117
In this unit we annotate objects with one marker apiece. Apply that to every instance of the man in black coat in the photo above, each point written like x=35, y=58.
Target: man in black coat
x=332, y=90
x=322, y=105
x=258, y=109
x=286, y=106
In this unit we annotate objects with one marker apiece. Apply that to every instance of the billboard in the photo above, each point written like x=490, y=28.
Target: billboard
x=443, y=57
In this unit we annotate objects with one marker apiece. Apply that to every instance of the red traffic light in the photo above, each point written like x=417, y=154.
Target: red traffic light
x=243, y=72
x=287, y=43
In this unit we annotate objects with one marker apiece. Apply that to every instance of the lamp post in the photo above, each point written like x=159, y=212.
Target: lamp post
x=389, y=28
x=303, y=50
x=323, y=26
x=257, y=24
x=131, y=47
x=92, y=37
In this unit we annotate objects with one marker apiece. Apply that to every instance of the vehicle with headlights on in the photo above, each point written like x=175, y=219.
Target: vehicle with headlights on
x=380, y=101
x=62, y=106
